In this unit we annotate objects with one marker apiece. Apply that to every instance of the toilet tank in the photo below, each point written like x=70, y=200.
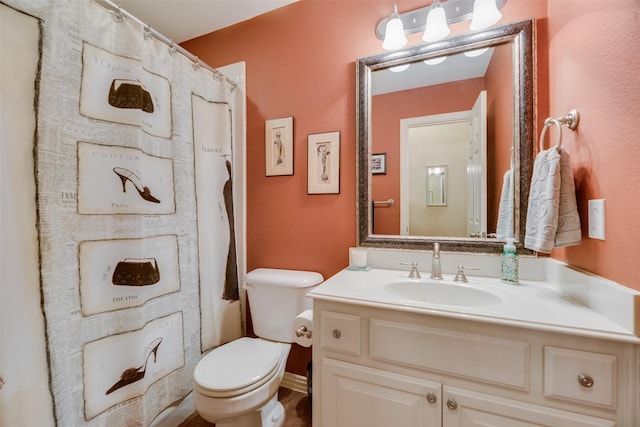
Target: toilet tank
x=276, y=297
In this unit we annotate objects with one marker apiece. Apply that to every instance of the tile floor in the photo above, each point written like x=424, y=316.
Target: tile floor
x=296, y=407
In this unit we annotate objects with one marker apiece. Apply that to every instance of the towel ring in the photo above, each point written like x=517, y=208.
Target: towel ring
x=548, y=123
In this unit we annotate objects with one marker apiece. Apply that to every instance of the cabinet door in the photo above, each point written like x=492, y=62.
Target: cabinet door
x=358, y=396
x=463, y=408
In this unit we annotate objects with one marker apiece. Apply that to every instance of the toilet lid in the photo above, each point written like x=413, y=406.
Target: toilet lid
x=238, y=364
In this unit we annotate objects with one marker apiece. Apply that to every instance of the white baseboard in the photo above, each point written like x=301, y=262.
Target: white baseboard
x=294, y=382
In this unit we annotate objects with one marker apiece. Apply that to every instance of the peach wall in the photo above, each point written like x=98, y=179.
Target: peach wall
x=594, y=63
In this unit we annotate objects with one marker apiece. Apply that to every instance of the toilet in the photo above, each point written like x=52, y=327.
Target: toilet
x=236, y=384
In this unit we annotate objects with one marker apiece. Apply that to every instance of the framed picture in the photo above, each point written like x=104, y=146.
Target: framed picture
x=278, y=143
x=323, y=155
x=379, y=163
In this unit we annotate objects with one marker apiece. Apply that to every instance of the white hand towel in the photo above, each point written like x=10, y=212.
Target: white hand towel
x=552, y=216
x=505, y=212
x=569, y=232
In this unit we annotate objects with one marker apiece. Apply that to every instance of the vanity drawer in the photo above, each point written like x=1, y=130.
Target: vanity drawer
x=580, y=376
x=340, y=332
x=495, y=360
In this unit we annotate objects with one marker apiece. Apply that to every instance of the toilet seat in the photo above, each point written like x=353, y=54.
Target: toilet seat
x=238, y=367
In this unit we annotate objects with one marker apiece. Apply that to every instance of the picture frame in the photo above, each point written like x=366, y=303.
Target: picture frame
x=379, y=164
x=323, y=168
x=278, y=143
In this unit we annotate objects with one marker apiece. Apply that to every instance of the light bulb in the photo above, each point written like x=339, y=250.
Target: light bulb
x=475, y=52
x=435, y=61
x=399, y=68
x=436, y=27
x=485, y=14
x=394, y=37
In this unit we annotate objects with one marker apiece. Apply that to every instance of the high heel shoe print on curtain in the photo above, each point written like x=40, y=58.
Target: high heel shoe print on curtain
x=127, y=175
x=132, y=375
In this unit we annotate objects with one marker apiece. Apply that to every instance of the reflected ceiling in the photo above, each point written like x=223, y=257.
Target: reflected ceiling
x=454, y=68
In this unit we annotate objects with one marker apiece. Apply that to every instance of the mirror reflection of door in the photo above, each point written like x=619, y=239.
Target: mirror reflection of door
x=457, y=140
x=477, y=169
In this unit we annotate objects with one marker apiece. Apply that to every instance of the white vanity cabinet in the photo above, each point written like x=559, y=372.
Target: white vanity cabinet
x=358, y=396
x=381, y=367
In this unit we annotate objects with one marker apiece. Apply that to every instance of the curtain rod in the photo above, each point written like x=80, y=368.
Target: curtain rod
x=120, y=13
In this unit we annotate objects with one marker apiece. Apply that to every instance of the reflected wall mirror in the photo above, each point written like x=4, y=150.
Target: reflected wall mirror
x=436, y=182
x=467, y=103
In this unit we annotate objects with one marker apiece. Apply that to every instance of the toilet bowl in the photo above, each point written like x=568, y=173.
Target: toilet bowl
x=236, y=384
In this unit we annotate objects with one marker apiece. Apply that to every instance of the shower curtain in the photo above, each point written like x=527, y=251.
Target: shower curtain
x=133, y=164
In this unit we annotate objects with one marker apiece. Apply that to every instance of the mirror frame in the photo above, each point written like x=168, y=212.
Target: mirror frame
x=521, y=35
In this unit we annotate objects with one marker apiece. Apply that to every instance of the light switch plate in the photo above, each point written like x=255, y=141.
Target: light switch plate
x=597, y=219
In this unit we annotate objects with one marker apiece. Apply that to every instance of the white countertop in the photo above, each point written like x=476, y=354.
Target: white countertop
x=531, y=304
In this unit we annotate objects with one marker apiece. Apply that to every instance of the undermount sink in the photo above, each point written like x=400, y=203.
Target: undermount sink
x=442, y=293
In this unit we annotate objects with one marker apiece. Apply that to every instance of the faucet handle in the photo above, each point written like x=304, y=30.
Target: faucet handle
x=414, y=273
x=460, y=276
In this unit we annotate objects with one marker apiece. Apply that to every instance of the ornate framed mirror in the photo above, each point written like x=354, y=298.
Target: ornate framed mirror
x=480, y=83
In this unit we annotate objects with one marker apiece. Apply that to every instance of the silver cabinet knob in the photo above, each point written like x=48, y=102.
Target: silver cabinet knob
x=452, y=404
x=585, y=380
x=336, y=333
x=432, y=398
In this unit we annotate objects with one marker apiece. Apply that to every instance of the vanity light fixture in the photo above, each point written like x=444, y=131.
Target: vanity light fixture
x=394, y=32
x=393, y=29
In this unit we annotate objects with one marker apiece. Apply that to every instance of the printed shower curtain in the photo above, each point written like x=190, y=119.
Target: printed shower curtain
x=134, y=195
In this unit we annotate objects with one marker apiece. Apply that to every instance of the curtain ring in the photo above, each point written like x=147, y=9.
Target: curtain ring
x=148, y=35
x=548, y=123
x=117, y=15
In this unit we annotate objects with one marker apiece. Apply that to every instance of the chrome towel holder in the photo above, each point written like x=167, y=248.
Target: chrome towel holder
x=571, y=120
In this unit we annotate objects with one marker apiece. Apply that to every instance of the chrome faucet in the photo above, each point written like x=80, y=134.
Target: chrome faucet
x=414, y=273
x=436, y=272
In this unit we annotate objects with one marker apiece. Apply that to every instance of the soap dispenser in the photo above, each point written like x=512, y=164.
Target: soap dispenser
x=510, y=262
